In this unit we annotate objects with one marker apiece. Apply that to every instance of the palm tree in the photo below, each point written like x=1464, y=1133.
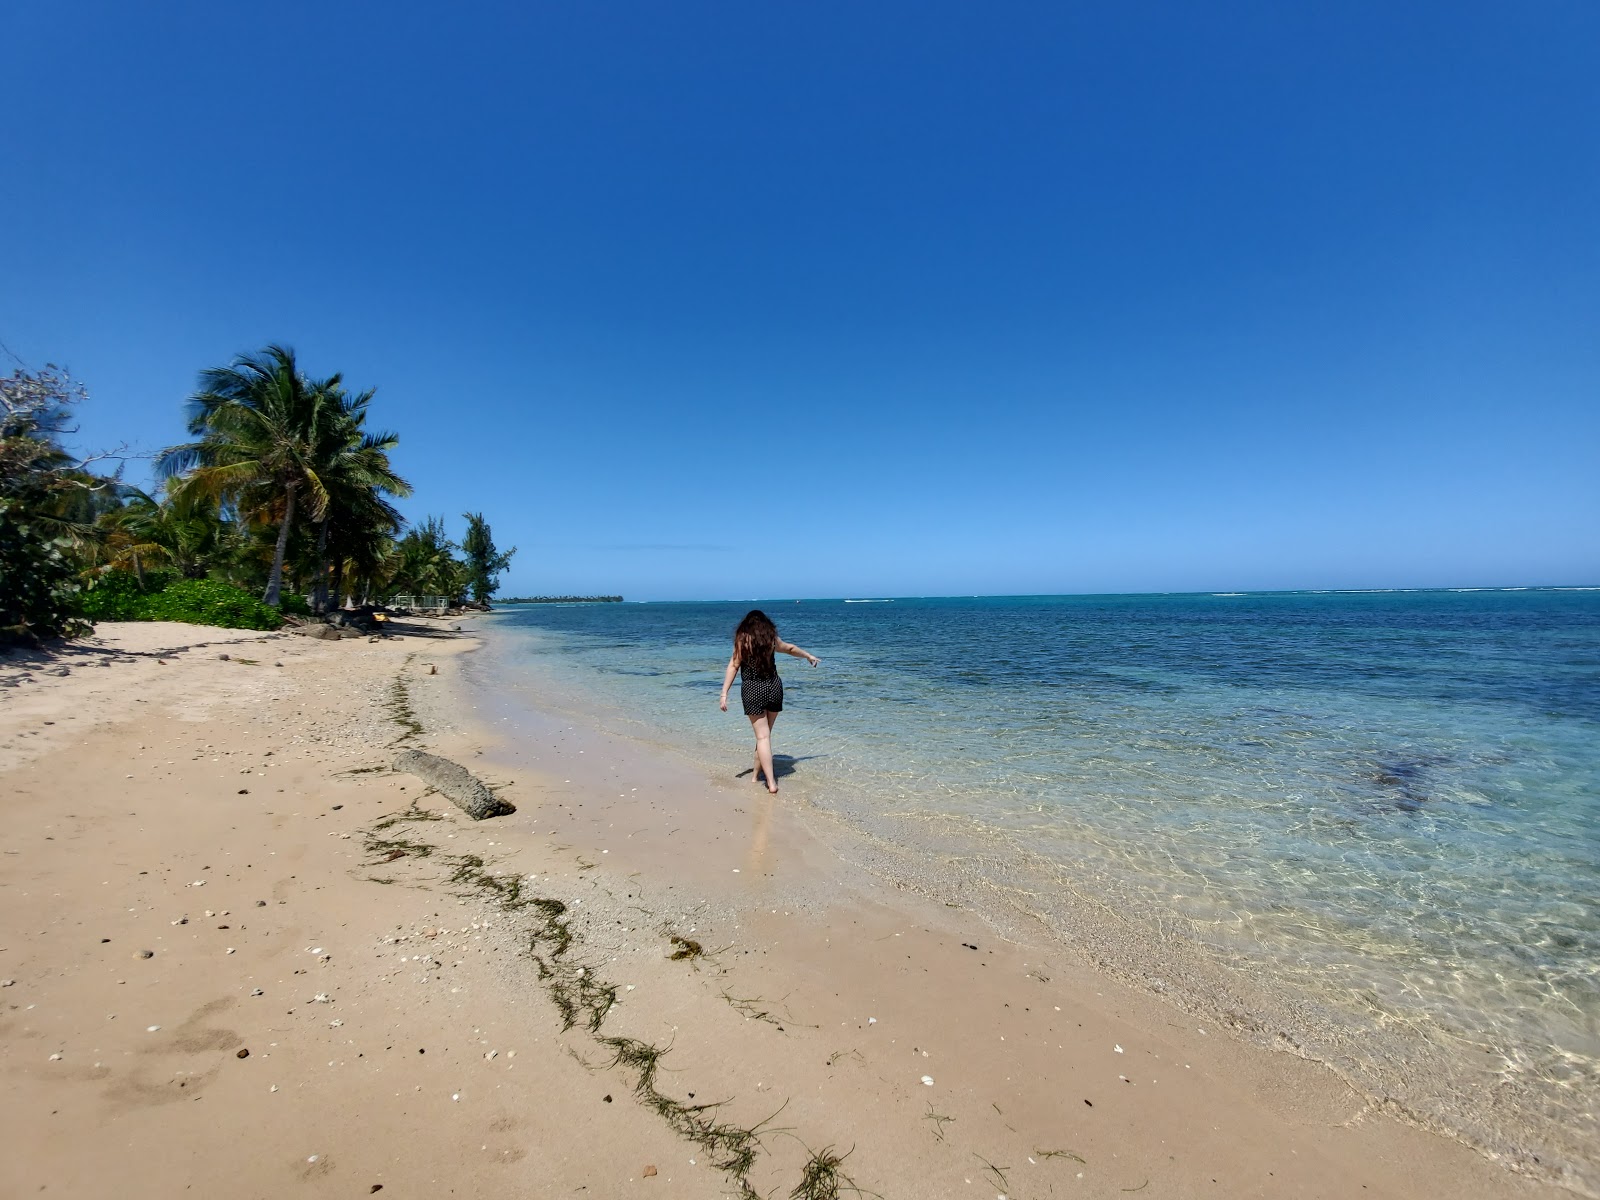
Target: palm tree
x=353, y=470
x=271, y=442
x=255, y=423
x=425, y=563
x=186, y=531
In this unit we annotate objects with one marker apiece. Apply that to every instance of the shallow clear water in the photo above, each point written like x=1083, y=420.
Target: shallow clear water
x=1383, y=805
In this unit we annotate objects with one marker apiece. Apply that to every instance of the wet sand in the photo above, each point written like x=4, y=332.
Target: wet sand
x=645, y=981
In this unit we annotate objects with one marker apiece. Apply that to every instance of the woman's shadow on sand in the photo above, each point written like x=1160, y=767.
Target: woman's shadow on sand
x=782, y=765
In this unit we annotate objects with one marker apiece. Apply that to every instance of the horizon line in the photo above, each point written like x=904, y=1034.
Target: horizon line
x=1215, y=593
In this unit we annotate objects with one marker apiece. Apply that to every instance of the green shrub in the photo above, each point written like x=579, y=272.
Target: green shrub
x=38, y=587
x=294, y=604
x=117, y=596
x=207, y=602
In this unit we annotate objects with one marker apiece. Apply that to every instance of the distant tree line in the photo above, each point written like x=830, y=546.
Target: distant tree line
x=563, y=600
x=283, y=492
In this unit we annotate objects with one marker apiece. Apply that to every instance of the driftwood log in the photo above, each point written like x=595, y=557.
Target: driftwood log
x=455, y=781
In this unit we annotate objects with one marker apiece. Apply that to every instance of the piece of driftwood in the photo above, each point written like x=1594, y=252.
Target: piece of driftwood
x=456, y=782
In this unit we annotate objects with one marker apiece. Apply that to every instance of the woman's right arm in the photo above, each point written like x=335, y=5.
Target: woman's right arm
x=727, y=679
x=786, y=648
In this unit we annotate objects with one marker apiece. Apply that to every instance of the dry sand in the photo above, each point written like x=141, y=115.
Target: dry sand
x=196, y=865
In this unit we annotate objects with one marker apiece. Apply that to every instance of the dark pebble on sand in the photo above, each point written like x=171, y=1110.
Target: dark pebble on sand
x=223, y=657
x=147, y=954
x=261, y=903
x=243, y=1053
x=244, y=791
x=606, y=1098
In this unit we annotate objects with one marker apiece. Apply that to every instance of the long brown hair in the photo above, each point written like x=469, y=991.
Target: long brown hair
x=755, y=642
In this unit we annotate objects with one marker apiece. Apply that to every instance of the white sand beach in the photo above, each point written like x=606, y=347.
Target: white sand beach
x=226, y=973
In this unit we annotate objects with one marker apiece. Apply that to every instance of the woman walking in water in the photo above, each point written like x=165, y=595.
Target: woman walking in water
x=755, y=643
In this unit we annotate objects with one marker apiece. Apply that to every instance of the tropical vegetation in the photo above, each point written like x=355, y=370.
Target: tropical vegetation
x=281, y=502
x=484, y=562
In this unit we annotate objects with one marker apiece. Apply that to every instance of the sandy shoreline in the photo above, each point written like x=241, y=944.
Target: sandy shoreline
x=401, y=997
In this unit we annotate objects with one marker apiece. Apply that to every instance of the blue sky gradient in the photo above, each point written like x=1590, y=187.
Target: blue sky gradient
x=729, y=300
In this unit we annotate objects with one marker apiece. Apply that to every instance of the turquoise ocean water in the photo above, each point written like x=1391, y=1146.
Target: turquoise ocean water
x=1371, y=819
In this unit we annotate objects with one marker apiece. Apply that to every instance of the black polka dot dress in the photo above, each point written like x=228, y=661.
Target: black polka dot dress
x=761, y=692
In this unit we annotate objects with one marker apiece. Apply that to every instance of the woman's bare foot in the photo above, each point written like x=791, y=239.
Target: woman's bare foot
x=771, y=791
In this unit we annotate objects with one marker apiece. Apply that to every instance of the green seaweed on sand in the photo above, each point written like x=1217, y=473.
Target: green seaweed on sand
x=1077, y=1158
x=381, y=850
x=386, y=850
x=400, y=710
x=821, y=1178
x=576, y=989
x=579, y=995
x=990, y=1169
x=939, y=1121
x=730, y=1148
x=506, y=889
x=551, y=929
x=385, y=823
x=753, y=1009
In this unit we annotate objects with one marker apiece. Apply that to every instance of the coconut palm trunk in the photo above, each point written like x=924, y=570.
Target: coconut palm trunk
x=319, y=591
x=275, y=579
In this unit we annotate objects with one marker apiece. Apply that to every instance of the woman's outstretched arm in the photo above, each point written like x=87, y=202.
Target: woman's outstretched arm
x=786, y=648
x=727, y=679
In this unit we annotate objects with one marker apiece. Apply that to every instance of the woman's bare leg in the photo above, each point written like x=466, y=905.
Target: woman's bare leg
x=772, y=720
x=764, y=749
x=756, y=776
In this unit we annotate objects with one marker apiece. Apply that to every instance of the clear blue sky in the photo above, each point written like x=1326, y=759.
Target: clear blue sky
x=737, y=300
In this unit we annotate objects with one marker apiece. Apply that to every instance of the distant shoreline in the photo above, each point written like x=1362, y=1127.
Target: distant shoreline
x=562, y=600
